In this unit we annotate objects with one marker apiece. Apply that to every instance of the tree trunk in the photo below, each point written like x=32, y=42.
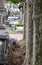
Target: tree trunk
x=29, y=32
x=24, y=36
x=37, y=44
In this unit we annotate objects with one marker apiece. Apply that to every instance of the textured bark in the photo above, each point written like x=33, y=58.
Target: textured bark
x=29, y=32
x=37, y=57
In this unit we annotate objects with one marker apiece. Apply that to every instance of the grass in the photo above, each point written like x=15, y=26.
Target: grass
x=11, y=32
x=15, y=25
x=16, y=13
x=22, y=42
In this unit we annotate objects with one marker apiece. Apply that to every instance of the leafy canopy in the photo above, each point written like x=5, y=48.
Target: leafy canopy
x=14, y=1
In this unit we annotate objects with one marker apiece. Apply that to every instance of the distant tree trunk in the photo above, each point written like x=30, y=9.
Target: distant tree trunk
x=24, y=35
x=29, y=32
x=37, y=44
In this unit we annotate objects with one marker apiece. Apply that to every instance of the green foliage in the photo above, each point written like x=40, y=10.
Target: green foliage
x=19, y=25
x=7, y=0
x=7, y=23
x=20, y=6
x=14, y=1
